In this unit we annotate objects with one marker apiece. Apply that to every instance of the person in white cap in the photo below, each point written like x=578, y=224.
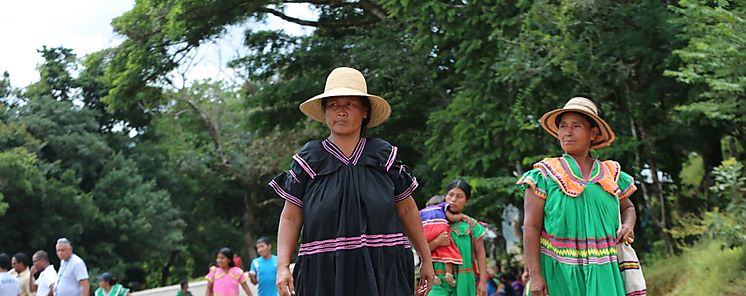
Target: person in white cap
x=573, y=205
x=352, y=197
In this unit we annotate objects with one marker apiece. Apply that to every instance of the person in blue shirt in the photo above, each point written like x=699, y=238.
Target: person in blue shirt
x=264, y=268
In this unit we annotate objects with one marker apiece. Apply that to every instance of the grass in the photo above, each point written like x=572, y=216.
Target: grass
x=704, y=269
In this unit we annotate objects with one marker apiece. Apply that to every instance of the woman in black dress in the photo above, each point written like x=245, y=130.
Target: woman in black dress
x=352, y=197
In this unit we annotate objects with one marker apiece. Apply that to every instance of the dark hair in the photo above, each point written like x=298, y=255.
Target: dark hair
x=41, y=255
x=183, y=282
x=265, y=240
x=227, y=252
x=4, y=261
x=22, y=258
x=366, y=105
x=461, y=185
x=587, y=118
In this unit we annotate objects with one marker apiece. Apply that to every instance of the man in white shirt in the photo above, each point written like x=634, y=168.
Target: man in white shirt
x=72, y=279
x=43, y=285
x=8, y=283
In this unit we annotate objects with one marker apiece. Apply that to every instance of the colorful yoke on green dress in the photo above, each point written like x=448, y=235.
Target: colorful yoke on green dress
x=578, y=243
x=466, y=280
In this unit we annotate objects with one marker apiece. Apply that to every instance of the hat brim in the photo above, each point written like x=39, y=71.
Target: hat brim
x=380, y=108
x=606, y=137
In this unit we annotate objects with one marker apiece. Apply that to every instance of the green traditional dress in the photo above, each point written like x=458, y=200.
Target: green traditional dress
x=578, y=243
x=466, y=280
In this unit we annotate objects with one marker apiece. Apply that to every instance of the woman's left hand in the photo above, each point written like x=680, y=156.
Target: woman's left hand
x=482, y=288
x=625, y=234
x=427, y=275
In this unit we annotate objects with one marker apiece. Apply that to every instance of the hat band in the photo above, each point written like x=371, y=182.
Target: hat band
x=583, y=107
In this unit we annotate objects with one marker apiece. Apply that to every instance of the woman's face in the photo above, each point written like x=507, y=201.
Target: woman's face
x=575, y=133
x=104, y=284
x=344, y=115
x=456, y=199
x=222, y=261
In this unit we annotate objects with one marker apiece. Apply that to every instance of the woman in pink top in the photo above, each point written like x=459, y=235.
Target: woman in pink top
x=225, y=277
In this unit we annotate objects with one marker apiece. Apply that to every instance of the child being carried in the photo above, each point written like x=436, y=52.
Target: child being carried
x=436, y=219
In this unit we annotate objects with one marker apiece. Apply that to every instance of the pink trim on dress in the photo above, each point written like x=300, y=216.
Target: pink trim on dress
x=402, y=196
x=284, y=195
x=351, y=243
x=392, y=157
x=304, y=165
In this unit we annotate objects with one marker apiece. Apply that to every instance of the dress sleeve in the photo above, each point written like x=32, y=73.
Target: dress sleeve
x=535, y=180
x=626, y=184
x=241, y=275
x=291, y=185
x=479, y=230
x=210, y=277
x=404, y=181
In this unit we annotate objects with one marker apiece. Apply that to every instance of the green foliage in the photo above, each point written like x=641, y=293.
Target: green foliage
x=729, y=223
x=149, y=179
x=715, y=32
x=703, y=268
x=5, y=87
x=490, y=196
x=693, y=171
x=18, y=175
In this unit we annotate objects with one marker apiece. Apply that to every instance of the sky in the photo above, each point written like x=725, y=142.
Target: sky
x=85, y=26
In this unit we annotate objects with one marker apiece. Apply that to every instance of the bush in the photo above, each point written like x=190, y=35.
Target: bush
x=705, y=269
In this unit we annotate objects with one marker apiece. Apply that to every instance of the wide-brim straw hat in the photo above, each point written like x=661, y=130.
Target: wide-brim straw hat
x=343, y=82
x=583, y=106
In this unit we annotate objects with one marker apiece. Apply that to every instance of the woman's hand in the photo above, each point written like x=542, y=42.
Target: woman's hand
x=538, y=286
x=285, y=284
x=482, y=288
x=443, y=239
x=625, y=234
x=427, y=275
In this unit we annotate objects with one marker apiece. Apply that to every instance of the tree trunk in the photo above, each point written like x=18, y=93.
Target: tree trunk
x=663, y=223
x=248, y=223
x=166, y=271
x=638, y=164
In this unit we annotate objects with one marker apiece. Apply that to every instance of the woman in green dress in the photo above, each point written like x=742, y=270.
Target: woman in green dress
x=572, y=209
x=468, y=237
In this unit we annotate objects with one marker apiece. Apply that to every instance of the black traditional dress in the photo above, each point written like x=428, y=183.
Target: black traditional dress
x=352, y=241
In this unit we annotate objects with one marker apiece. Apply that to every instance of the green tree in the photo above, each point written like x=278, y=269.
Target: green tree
x=713, y=58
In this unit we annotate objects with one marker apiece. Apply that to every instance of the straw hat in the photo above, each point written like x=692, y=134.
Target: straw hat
x=345, y=81
x=583, y=106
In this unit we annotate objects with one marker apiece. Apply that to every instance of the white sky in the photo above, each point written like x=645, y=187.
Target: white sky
x=85, y=26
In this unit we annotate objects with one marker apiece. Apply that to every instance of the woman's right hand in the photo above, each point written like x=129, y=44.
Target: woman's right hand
x=443, y=239
x=285, y=284
x=538, y=286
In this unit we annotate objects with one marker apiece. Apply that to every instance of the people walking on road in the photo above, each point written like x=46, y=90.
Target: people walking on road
x=225, y=277
x=72, y=279
x=48, y=276
x=22, y=272
x=107, y=286
x=8, y=284
x=351, y=195
x=572, y=209
x=263, y=269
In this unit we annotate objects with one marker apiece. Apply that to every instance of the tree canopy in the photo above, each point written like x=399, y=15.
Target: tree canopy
x=149, y=178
